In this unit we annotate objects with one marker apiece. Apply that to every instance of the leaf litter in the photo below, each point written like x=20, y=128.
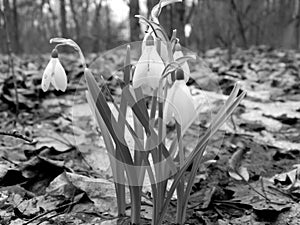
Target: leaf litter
x=64, y=174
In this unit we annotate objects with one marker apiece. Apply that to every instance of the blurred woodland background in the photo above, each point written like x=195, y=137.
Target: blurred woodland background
x=201, y=24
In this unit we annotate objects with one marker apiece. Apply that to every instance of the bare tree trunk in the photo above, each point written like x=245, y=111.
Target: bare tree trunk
x=240, y=23
x=173, y=17
x=296, y=16
x=11, y=14
x=10, y=55
x=53, y=28
x=63, y=19
x=178, y=20
x=150, y=4
x=191, y=12
x=77, y=26
x=134, y=23
x=8, y=20
x=97, y=27
x=16, y=28
x=42, y=28
x=108, y=26
x=85, y=17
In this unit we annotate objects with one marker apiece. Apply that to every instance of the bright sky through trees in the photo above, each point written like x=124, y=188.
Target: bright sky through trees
x=121, y=10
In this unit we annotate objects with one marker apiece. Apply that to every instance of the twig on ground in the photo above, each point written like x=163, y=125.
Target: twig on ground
x=16, y=134
x=8, y=160
x=263, y=188
x=233, y=123
x=50, y=217
x=252, y=188
x=50, y=211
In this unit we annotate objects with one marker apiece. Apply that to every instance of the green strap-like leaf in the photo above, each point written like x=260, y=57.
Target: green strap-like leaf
x=198, y=152
x=127, y=66
x=139, y=112
x=107, y=116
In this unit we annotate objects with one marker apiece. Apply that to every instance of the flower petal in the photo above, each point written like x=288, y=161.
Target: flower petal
x=169, y=108
x=60, y=77
x=156, y=67
x=53, y=83
x=179, y=104
x=140, y=73
x=149, y=68
x=47, y=75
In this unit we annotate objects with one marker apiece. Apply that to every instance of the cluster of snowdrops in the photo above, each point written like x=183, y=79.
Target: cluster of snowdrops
x=161, y=73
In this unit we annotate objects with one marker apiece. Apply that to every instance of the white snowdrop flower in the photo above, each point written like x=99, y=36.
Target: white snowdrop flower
x=179, y=103
x=150, y=66
x=54, y=74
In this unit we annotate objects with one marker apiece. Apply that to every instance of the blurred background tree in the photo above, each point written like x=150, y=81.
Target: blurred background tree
x=98, y=25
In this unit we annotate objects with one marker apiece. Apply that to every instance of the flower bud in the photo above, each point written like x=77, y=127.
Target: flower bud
x=179, y=74
x=185, y=67
x=54, y=53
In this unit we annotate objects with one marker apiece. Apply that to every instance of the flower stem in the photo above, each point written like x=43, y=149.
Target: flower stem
x=135, y=193
x=180, y=187
x=120, y=185
x=120, y=193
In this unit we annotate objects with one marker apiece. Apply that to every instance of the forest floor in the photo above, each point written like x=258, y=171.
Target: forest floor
x=61, y=177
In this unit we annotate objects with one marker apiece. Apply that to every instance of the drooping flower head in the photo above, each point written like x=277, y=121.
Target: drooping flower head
x=149, y=67
x=179, y=103
x=185, y=67
x=54, y=74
